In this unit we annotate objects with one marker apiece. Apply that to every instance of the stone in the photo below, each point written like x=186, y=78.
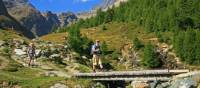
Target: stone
x=24, y=48
x=2, y=43
x=50, y=74
x=77, y=86
x=138, y=84
x=59, y=85
x=66, y=47
x=19, y=52
x=38, y=52
x=67, y=59
x=54, y=56
x=84, y=57
x=184, y=83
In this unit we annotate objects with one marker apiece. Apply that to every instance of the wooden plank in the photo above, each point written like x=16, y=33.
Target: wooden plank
x=189, y=74
x=132, y=73
x=134, y=79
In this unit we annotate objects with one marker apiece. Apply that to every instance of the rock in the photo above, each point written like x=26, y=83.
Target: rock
x=55, y=56
x=98, y=85
x=67, y=59
x=2, y=43
x=184, y=83
x=59, y=85
x=66, y=47
x=19, y=52
x=84, y=57
x=138, y=84
x=38, y=52
x=78, y=86
x=21, y=41
x=67, y=18
x=154, y=84
x=24, y=48
x=165, y=85
x=50, y=74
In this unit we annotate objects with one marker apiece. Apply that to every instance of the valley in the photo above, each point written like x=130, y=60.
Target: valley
x=142, y=43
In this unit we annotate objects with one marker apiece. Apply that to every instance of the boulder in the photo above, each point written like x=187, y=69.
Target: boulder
x=84, y=57
x=2, y=43
x=55, y=56
x=67, y=59
x=138, y=84
x=19, y=52
x=38, y=52
x=184, y=83
x=50, y=74
x=59, y=85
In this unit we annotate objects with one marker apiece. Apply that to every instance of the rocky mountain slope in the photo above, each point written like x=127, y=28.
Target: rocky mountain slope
x=104, y=6
x=32, y=19
x=8, y=22
x=67, y=18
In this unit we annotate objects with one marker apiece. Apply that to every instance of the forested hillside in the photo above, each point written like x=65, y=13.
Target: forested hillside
x=180, y=17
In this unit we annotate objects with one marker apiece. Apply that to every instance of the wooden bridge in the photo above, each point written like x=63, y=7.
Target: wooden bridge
x=143, y=75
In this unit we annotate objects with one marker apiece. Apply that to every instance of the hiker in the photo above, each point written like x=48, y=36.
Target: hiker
x=96, y=52
x=31, y=53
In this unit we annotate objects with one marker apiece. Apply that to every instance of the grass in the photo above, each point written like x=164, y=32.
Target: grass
x=55, y=37
x=83, y=68
x=28, y=78
x=118, y=34
x=84, y=83
x=9, y=34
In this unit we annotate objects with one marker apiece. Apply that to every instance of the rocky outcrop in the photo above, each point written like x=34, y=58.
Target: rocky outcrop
x=52, y=19
x=67, y=18
x=33, y=20
x=28, y=16
x=103, y=6
x=3, y=10
x=8, y=22
x=59, y=85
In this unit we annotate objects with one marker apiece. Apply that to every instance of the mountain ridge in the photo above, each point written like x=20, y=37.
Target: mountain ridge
x=8, y=22
x=32, y=19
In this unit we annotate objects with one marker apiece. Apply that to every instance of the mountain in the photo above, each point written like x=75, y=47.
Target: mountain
x=8, y=22
x=104, y=5
x=32, y=19
x=28, y=16
x=3, y=10
x=67, y=18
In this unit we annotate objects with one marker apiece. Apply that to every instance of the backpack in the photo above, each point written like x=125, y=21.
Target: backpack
x=31, y=50
x=91, y=51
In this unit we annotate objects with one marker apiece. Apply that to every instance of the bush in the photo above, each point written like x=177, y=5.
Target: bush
x=11, y=69
x=104, y=48
x=104, y=27
x=115, y=55
x=7, y=51
x=137, y=44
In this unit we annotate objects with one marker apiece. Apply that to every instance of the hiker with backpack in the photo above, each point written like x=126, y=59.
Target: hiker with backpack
x=96, y=52
x=31, y=53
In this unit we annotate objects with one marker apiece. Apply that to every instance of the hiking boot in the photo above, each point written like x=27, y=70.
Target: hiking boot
x=94, y=71
x=102, y=70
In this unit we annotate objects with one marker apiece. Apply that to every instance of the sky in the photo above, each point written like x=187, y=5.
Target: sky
x=58, y=6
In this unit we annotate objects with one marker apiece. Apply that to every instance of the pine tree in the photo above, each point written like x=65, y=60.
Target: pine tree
x=178, y=45
x=189, y=46
x=197, y=60
x=150, y=59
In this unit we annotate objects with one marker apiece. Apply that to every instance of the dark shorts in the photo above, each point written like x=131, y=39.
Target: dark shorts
x=31, y=56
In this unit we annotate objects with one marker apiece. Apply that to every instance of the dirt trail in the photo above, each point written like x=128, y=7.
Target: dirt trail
x=42, y=66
